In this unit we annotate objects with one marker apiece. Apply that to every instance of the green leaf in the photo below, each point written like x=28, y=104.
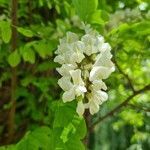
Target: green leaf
x=123, y=27
x=38, y=139
x=27, y=80
x=5, y=31
x=132, y=45
x=14, y=58
x=62, y=117
x=81, y=129
x=140, y=136
x=85, y=7
x=66, y=131
x=96, y=17
x=28, y=55
x=43, y=49
x=8, y=147
x=25, y=32
x=73, y=143
x=55, y=142
x=78, y=145
x=46, y=66
x=132, y=117
x=142, y=28
x=76, y=127
x=104, y=15
x=46, y=139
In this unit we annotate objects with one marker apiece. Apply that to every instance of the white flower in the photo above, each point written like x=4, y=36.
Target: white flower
x=59, y=59
x=92, y=43
x=80, y=108
x=98, y=73
x=71, y=37
x=85, y=63
x=79, y=87
x=69, y=95
x=93, y=107
x=76, y=88
x=77, y=51
x=95, y=99
x=104, y=59
x=76, y=77
x=70, y=53
x=65, y=69
x=68, y=87
x=65, y=83
x=103, y=65
x=99, y=96
x=98, y=84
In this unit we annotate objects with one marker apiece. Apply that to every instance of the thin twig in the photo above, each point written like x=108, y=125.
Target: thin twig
x=125, y=75
x=124, y=103
x=139, y=107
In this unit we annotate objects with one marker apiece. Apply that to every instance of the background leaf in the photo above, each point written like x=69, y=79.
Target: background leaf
x=6, y=32
x=85, y=8
x=14, y=58
x=25, y=32
x=28, y=55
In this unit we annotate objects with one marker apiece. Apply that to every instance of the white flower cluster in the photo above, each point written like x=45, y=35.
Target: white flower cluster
x=85, y=61
x=126, y=15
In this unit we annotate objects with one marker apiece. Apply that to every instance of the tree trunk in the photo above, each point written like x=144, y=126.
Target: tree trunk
x=11, y=115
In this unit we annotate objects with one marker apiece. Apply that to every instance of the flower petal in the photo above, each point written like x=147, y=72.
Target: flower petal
x=65, y=83
x=80, y=108
x=71, y=37
x=64, y=70
x=77, y=57
x=105, y=47
x=98, y=84
x=99, y=73
x=68, y=96
x=80, y=90
x=99, y=97
x=104, y=59
x=76, y=77
x=59, y=59
x=93, y=107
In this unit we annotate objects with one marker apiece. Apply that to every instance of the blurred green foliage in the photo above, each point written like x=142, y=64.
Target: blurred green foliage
x=42, y=120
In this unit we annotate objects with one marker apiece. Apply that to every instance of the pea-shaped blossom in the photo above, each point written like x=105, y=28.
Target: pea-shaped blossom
x=86, y=62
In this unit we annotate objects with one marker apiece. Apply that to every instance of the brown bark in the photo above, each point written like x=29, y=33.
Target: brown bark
x=11, y=115
x=89, y=139
x=87, y=117
x=29, y=11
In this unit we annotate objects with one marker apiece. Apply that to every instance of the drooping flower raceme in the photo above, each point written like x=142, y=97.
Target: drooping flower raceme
x=86, y=62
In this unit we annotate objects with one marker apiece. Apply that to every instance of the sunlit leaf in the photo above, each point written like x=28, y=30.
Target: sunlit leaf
x=14, y=58
x=28, y=55
x=25, y=32
x=85, y=7
x=6, y=32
